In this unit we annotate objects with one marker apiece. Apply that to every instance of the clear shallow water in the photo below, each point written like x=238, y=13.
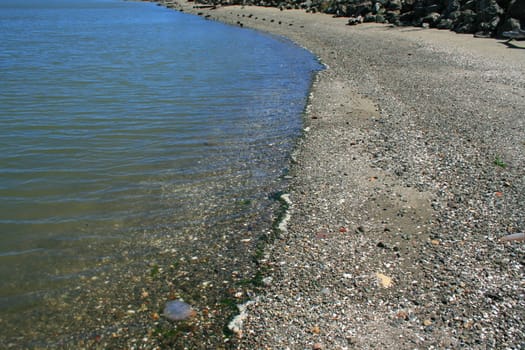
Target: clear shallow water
x=122, y=120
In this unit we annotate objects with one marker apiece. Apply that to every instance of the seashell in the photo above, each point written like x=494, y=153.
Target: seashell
x=178, y=310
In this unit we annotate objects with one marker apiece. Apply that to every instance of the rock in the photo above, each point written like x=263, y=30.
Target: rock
x=392, y=17
x=483, y=17
x=355, y=20
x=369, y=18
x=445, y=23
x=394, y=5
x=452, y=6
x=488, y=16
x=380, y=19
x=407, y=17
x=432, y=18
x=517, y=10
x=466, y=22
x=178, y=310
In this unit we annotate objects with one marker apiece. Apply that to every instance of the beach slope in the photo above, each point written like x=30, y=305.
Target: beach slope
x=411, y=169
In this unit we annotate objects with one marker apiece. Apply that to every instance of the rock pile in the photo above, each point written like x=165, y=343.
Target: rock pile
x=481, y=17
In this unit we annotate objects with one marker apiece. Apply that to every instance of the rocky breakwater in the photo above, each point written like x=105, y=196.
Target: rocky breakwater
x=487, y=18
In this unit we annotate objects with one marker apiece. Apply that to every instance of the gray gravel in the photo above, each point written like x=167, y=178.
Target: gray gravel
x=411, y=169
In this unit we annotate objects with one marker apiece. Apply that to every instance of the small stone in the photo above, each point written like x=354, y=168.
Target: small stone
x=427, y=322
x=315, y=330
x=317, y=346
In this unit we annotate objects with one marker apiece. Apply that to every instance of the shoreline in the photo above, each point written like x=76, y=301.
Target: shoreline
x=410, y=171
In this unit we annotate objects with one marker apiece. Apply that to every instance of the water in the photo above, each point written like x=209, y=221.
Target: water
x=128, y=129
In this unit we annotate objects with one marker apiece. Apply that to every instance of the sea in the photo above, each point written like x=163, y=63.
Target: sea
x=137, y=143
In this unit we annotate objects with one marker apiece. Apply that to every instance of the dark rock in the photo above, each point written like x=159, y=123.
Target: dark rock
x=407, y=17
x=454, y=16
x=488, y=9
x=369, y=18
x=380, y=19
x=432, y=18
x=484, y=17
x=434, y=8
x=364, y=8
x=392, y=17
x=517, y=10
x=511, y=24
x=452, y=6
x=467, y=22
x=445, y=23
x=394, y=5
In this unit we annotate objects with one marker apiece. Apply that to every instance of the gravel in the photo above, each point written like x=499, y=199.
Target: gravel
x=411, y=169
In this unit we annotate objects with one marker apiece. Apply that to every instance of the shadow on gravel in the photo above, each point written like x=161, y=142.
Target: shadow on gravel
x=512, y=45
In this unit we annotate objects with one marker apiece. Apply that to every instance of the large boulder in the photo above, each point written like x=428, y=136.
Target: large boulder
x=487, y=17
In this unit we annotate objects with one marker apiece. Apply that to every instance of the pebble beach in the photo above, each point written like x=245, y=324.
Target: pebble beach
x=410, y=171
x=401, y=224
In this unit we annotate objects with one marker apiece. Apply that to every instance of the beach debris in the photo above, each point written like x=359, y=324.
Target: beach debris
x=178, y=310
x=520, y=236
x=236, y=324
x=515, y=34
x=384, y=281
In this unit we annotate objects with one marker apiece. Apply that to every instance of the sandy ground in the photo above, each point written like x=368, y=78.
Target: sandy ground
x=410, y=170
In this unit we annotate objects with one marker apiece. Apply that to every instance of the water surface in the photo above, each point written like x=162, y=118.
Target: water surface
x=128, y=124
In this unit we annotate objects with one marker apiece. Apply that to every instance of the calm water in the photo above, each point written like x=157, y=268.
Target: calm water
x=121, y=119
